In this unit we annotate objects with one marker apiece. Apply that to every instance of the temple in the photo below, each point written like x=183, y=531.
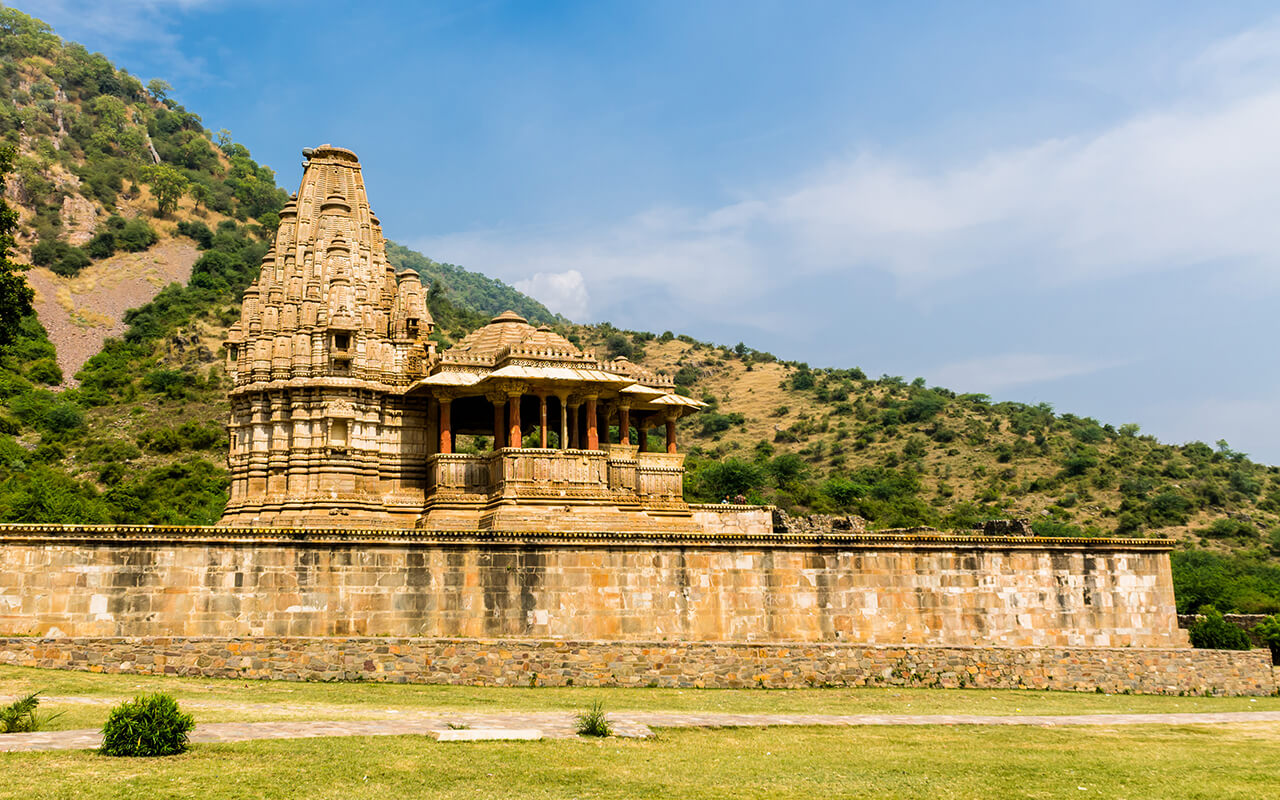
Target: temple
x=344, y=412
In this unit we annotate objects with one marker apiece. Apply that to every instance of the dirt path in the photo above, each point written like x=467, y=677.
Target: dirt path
x=80, y=313
x=635, y=724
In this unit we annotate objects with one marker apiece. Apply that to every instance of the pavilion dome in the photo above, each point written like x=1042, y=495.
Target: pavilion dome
x=511, y=335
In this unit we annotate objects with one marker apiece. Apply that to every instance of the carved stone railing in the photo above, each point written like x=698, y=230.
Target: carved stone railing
x=543, y=473
x=459, y=475
x=535, y=473
x=660, y=476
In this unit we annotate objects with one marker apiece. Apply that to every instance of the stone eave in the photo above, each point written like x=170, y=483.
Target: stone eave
x=874, y=540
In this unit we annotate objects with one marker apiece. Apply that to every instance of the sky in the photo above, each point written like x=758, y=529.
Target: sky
x=1067, y=202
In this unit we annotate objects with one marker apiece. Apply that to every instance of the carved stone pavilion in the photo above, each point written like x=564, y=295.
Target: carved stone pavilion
x=343, y=413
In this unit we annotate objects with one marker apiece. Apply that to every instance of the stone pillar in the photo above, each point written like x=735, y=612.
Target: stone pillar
x=671, y=434
x=593, y=434
x=499, y=402
x=446, y=429
x=564, y=420
x=543, y=439
x=575, y=430
x=624, y=422
x=642, y=433
x=515, y=439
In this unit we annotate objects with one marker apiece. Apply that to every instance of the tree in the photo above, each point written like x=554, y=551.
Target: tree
x=15, y=294
x=168, y=185
x=159, y=89
x=200, y=194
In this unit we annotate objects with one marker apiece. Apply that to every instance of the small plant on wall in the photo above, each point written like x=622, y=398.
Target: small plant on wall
x=147, y=725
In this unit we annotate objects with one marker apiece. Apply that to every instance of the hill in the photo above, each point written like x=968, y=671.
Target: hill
x=140, y=438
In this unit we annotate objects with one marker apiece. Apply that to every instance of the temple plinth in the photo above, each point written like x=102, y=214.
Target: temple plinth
x=343, y=412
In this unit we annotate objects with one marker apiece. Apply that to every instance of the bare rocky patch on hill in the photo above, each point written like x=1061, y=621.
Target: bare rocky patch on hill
x=83, y=311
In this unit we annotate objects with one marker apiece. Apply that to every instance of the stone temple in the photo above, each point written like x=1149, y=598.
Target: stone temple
x=343, y=411
x=556, y=548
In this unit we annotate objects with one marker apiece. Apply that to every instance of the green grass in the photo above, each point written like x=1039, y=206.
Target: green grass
x=221, y=700
x=932, y=762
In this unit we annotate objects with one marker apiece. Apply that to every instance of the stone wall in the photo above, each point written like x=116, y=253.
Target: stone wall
x=710, y=665
x=870, y=588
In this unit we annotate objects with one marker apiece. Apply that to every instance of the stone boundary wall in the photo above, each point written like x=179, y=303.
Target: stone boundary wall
x=882, y=588
x=500, y=662
x=1244, y=622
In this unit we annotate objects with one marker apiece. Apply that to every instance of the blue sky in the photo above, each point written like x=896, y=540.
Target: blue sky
x=1073, y=203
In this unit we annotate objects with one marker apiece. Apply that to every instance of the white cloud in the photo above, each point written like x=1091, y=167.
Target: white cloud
x=1193, y=182
x=562, y=292
x=995, y=373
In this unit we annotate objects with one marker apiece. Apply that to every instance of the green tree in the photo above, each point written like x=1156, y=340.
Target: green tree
x=159, y=89
x=15, y=294
x=168, y=185
x=200, y=194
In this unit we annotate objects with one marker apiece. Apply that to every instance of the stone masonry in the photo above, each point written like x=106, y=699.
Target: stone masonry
x=878, y=588
x=511, y=662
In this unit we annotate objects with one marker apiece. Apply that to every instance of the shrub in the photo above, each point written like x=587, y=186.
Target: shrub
x=136, y=235
x=63, y=417
x=148, y=725
x=1227, y=528
x=617, y=344
x=198, y=231
x=730, y=478
x=1269, y=631
x=594, y=722
x=46, y=371
x=20, y=716
x=1215, y=633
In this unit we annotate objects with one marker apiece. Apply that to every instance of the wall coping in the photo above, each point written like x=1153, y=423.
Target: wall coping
x=932, y=540
x=560, y=644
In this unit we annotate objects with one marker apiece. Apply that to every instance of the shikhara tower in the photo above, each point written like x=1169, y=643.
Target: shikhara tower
x=329, y=338
x=344, y=415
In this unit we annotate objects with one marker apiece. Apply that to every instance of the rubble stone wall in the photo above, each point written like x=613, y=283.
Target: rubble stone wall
x=711, y=665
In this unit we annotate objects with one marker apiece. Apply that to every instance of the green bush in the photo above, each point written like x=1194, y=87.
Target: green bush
x=20, y=716
x=62, y=258
x=1227, y=528
x=1269, y=631
x=1215, y=633
x=46, y=371
x=148, y=725
x=594, y=722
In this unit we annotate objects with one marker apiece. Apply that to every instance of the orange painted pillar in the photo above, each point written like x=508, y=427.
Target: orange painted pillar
x=593, y=433
x=446, y=431
x=671, y=435
x=516, y=439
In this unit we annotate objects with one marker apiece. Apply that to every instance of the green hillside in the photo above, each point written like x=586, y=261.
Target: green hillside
x=140, y=439
x=470, y=290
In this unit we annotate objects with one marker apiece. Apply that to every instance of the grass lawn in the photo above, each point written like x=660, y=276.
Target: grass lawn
x=1185, y=761
x=808, y=763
